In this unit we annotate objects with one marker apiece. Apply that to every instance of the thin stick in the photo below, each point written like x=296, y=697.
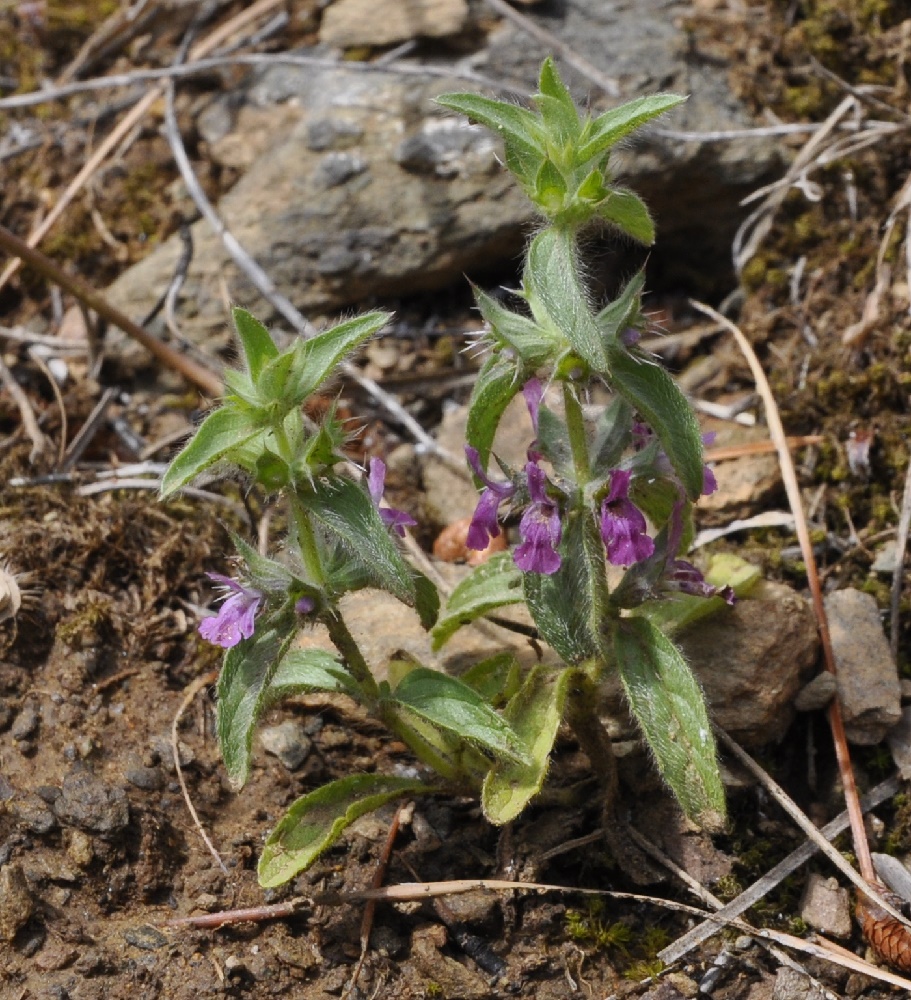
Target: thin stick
x=789, y=476
x=123, y=127
x=193, y=372
x=188, y=697
x=58, y=396
x=901, y=542
x=763, y=886
x=370, y=909
x=29, y=421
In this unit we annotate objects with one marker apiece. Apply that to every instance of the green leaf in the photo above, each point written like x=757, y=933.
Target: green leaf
x=648, y=388
x=496, y=384
x=494, y=584
x=345, y=510
x=550, y=84
x=223, y=430
x=519, y=128
x=561, y=120
x=608, y=129
x=611, y=437
x=245, y=675
x=315, y=821
x=303, y=670
x=535, y=714
x=453, y=707
x=257, y=342
x=316, y=359
x=624, y=311
x=265, y=573
x=553, y=442
x=629, y=212
x=426, y=600
x=561, y=604
x=667, y=702
x=550, y=189
x=496, y=679
x=592, y=188
x=552, y=279
x=519, y=333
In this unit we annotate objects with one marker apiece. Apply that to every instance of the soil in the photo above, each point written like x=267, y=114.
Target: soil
x=97, y=849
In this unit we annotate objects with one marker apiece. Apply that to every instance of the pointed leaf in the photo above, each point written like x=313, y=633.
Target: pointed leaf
x=561, y=604
x=515, y=331
x=519, y=128
x=611, y=438
x=265, y=573
x=342, y=506
x=535, y=714
x=561, y=120
x=303, y=670
x=553, y=442
x=550, y=189
x=223, y=430
x=257, y=342
x=317, y=358
x=607, y=129
x=247, y=670
x=448, y=704
x=667, y=702
x=496, y=679
x=315, y=821
x=494, y=584
x=629, y=212
x=496, y=384
x=624, y=311
x=552, y=278
x=650, y=390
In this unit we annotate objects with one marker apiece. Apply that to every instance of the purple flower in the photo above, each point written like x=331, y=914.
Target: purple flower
x=679, y=574
x=623, y=525
x=235, y=619
x=533, y=391
x=304, y=605
x=392, y=517
x=540, y=528
x=484, y=525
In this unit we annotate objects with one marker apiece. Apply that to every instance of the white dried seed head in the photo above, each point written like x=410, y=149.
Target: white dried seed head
x=10, y=595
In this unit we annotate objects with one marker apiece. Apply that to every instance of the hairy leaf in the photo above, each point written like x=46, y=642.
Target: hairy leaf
x=494, y=387
x=494, y=584
x=608, y=129
x=629, y=212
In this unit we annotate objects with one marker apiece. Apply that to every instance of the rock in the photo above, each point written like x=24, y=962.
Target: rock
x=886, y=558
x=816, y=695
x=92, y=805
x=33, y=814
x=744, y=484
x=419, y=197
x=26, y=722
x=16, y=903
x=826, y=907
x=752, y=661
x=867, y=677
x=793, y=985
x=288, y=741
x=899, y=740
x=348, y=23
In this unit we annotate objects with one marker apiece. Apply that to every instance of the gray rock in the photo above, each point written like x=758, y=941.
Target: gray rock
x=826, y=907
x=793, y=985
x=867, y=677
x=16, y=902
x=817, y=694
x=752, y=661
x=288, y=741
x=26, y=722
x=34, y=814
x=886, y=558
x=899, y=740
x=92, y=805
x=423, y=198
x=349, y=23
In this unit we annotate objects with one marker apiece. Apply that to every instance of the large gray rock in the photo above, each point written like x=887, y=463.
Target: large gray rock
x=355, y=185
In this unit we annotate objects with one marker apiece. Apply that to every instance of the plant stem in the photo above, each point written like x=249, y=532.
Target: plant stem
x=582, y=716
x=578, y=439
x=306, y=542
x=344, y=642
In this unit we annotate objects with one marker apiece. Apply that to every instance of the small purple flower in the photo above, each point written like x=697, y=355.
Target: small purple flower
x=484, y=525
x=392, y=517
x=304, y=605
x=533, y=391
x=681, y=575
x=623, y=527
x=540, y=528
x=235, y=620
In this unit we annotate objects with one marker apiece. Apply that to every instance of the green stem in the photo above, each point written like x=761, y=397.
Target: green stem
x=344, y=642
x=306, y=542
x=578, y=439
x=284, y=445
x=582, y=716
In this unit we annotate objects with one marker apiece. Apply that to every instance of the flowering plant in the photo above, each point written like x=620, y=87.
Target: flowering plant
x=598, y=488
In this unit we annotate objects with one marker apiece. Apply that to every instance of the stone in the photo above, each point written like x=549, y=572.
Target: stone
x=744, y=484
x=348, y=23
x=886, y=558
x=421, y=198
x=868, y=685
x=16, y=902
x=793, y=985
x=816, y=695
x=288, y=741
x=26, y=722
x=92, y=805
x=753, y=659
x=899, y=740
x=826, y=907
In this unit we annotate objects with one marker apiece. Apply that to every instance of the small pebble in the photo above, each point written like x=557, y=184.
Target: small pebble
x=26, y=722
x=91, y=804
x=16, y=903
x=146, y=937
x=288, y=741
